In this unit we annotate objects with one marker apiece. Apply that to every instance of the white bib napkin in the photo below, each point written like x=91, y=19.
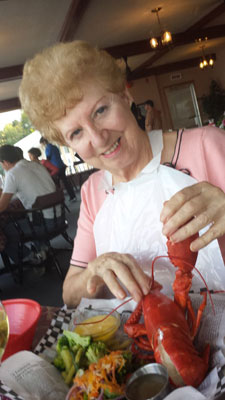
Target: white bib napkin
x=128, y=222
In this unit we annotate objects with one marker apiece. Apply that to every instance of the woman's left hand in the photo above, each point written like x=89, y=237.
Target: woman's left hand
x=192, y=209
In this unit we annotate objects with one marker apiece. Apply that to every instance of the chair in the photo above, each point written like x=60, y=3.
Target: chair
x=39, y=229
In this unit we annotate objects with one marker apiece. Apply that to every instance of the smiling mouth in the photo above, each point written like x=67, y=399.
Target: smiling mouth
x=112, y=148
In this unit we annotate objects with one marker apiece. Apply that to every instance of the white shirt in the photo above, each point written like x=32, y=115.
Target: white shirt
x=28, y=180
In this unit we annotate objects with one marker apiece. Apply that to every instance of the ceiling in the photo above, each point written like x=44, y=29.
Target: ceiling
x=123, y=27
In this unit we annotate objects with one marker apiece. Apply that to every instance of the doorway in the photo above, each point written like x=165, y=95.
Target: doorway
x=183, y=106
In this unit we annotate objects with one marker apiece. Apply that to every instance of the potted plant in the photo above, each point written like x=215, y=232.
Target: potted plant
x=214, y=104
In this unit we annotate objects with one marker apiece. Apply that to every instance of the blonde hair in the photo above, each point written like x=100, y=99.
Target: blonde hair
x=53, y=80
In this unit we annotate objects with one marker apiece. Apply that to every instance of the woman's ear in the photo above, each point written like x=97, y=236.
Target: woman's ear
x=127, y=97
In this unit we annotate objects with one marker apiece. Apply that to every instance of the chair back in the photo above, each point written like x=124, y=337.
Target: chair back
x=49, y=200
x=46, y=219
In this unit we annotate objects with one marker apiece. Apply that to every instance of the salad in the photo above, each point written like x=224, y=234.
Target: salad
x=104, y=379
x=75, y=352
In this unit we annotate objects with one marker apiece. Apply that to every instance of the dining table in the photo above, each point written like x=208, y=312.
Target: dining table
x=54, y=320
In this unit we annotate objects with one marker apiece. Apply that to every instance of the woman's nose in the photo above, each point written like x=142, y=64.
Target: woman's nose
x=97, y=135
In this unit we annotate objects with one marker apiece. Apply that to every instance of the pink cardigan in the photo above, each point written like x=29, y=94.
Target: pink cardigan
x=201, y=151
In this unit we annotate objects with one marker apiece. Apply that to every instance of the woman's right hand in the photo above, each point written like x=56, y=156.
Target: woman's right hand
x=115, y=269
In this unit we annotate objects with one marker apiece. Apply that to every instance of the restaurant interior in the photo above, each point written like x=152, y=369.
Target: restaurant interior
x=125, y=28
x=173, y=53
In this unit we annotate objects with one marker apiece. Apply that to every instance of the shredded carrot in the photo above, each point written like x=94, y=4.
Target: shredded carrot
x=101, y=375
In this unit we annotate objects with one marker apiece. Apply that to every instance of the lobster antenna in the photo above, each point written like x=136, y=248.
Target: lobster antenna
x=190, y=265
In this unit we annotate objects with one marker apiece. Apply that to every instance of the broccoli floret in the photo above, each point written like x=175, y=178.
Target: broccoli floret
x=59, y=363
x=126, y=369
x=62, y=342
x=67, y=358
x=69, y=377
x=74, y=339
x=95, y=351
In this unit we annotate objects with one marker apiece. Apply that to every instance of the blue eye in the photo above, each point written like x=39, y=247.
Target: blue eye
x=75, y=133
x=101, y=110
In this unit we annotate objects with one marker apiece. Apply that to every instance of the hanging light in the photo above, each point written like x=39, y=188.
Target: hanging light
x=211, y=62
x=201, y=65
x=154, y=43
x=206, y=61
x=166, y=36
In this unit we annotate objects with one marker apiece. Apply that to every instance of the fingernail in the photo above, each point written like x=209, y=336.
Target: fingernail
x=165, y=230
x=173, y=239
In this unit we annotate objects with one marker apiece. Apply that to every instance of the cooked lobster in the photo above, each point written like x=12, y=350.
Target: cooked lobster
x=169, y=334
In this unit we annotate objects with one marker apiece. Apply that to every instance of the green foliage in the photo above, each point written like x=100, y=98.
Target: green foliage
x=16, y=130
x=26, y=124
x=214, y=103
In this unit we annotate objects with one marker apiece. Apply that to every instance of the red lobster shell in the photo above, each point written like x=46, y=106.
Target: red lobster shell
x=169, y=334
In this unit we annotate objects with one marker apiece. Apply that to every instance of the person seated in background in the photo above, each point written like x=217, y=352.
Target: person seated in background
x=136, y=111
x=153, y=119
x=135, y=201
x=34, y=154
x=53, y=155
x=27, y=180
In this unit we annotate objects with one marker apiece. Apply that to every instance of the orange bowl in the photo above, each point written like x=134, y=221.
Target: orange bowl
x=23, y=316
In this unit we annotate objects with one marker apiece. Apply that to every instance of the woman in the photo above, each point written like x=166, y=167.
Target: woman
x=119, y=232
x=34, y=154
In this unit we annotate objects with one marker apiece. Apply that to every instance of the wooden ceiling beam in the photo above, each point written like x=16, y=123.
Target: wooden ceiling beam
x=9, y=104
x=181, y=39
x=163, y=69
x=216, y=12
x=139, y=47
x=192, y=29
x=74, y=15
x=11, y=73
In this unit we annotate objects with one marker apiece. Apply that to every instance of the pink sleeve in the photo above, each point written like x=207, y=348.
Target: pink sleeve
x=91, y=200
x=202, y=152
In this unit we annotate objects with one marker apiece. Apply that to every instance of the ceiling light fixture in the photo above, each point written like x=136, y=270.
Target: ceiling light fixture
x=205, y=61
x=166, y=36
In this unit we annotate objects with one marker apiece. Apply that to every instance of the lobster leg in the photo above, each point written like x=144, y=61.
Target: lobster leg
x=135, y=330
x=195, y=321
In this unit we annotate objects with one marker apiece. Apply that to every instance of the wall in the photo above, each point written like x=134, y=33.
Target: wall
x=153, y=86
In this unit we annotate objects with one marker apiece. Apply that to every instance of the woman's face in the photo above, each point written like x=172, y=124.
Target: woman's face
x=102, y=130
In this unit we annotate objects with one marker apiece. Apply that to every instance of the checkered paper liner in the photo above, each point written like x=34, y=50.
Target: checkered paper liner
x=59, y=323
x=7, y=393
x=221, y=383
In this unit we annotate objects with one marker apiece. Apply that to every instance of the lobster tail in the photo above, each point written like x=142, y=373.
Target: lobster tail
x=174, y=349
